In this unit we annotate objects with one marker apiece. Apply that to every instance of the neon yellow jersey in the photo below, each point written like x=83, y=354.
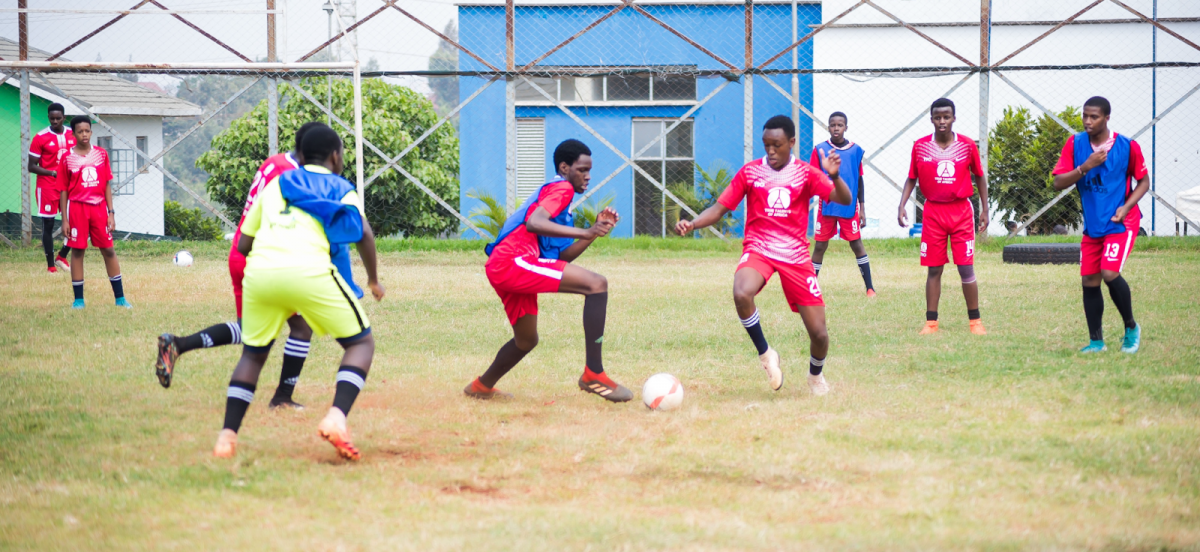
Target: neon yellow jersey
x=287, y=237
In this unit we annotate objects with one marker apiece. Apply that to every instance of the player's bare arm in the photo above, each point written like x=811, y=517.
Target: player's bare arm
x=62, y=208
x=707, y=218
x=366, y=251
x=902, y=216
x=832, y=164
x=981, y=184
x=1068, y=179
x=108, y=200
x=608, y=217
x=245, y=244
x=35, y=167
x=1135, y=196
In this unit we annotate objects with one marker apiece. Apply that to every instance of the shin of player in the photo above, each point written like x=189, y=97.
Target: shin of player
x=289, y=237
x=777, y=190
x=85, y=177
x=532, y=255
x=45, y=151
x=1102, y=164
x=943, y=164
x=295, y=351
x=845, y=220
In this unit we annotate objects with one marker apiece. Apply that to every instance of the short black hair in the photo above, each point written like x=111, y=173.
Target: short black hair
x=319, y=143
x=56, y=107
x=942, y=102
x=569, y=152
x=1101, y=102
x=781, y=122
x=300, y=132
x=845, y=119
x=80, y=119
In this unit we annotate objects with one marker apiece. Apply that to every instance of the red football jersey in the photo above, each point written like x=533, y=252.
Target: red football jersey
x=271, y=169
x=554, y=198
x=49, y=148
x=945, y=174
x=83, y=177
x=777, y=207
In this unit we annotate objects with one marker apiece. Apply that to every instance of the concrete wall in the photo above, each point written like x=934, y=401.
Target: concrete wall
x=143, y=211
x=10, y=144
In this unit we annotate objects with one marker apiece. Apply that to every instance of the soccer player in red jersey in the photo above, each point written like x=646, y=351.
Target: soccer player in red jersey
x=844, y=220
x=532, y=254
x=943, y=164
x=1101, y=164
x=777, y=190
x=45, y=150
x=85, y=177
x=295, y=350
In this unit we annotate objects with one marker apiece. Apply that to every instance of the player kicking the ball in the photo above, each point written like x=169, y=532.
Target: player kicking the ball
x=533, y=255
x=287, y=238
x=777, y=190
x=295, y=350
x=85, y=177
x=1101, y=163
x=943, y=164
x=846, y=220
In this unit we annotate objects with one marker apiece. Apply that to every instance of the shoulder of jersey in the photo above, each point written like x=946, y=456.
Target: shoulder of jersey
x=43, y=131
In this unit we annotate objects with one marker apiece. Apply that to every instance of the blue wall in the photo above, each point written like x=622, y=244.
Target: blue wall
x=626, y=39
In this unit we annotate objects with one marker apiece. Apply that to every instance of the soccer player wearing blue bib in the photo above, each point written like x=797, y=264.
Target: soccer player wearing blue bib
x=843, y=219
x=1102, y=164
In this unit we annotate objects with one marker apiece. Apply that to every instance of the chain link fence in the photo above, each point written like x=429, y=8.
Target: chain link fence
x=461, y=104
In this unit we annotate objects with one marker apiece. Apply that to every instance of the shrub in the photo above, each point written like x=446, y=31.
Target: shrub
x=1021, y=153
x=189, y=224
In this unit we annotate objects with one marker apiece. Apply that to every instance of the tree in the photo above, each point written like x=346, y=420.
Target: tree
x=397, y=117
x=1021, y=153
x=445, y=58
x=702, y=195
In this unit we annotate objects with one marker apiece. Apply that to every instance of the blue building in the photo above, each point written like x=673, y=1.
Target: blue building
x=651, y=79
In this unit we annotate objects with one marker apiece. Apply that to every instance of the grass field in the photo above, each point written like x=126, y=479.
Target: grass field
x=1010, y=441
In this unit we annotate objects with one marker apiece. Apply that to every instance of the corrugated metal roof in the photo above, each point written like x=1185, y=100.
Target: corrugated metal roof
x=105, y=94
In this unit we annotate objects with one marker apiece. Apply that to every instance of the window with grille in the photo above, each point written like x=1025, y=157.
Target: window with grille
x=670, y=162
x=531, y=157
x=122, y=162
x=666, y=85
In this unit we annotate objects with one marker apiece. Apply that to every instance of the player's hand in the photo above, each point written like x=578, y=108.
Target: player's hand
x=831, y=163
x=377, y=290
x=902, y=217
x=608, y=215
x=983, y=222
x=600, y=229
x=1094, y=160
x=66, y=229
x=53, y=174
x=684, y=227
x=112, y=223
x=1120, y=215
x=862, y=212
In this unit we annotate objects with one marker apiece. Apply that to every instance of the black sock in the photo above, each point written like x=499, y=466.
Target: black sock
x=815, y=365
x=595, y=310
x=816, y=269
x=1118, y=289
x=295, y=351
x=507, y=357
x=77, y=287
x=237, y=399
x=1093, y=310
x=864, y=267
x=118, y=288
x=48, y=240
x=350, y=381
x=63, y=252
x=973, y=314
x=225, y=333
x=931, y=316
x=754, y=328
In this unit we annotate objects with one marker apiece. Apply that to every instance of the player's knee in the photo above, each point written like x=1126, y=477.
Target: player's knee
x=967, y=273
x=1109, y=275
x=821, y=246
x=598, y=284
x=299, y=329
x=743, y=296
x=107, y=252
x=1091, y=280
x=526, y=342
x=935, y=272
x=819, y=337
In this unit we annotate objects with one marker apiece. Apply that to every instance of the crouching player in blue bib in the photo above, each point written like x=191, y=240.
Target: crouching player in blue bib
x=532, y=254
x=1101, y=164
x=295, y=240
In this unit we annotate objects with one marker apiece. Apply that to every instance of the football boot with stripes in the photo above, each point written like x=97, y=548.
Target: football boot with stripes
x=164, y=365
x=600, y=384
x=477, y=390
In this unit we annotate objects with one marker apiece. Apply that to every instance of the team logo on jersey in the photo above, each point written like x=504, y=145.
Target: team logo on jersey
x=778, y=202
x=945, y=168
x=924, y=248
x=90, y=178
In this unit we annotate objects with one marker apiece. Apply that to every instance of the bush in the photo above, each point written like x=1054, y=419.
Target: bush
x=397, y=116
x=702, y=195
x=1021, y=153
x=189, y=224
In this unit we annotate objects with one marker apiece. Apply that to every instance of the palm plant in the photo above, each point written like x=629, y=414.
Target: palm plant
x=490, y=216
x=701, y=195
x=585, y=214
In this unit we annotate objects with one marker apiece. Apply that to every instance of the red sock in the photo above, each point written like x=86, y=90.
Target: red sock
x=602, y=377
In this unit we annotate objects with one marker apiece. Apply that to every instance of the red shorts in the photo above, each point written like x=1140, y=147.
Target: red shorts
x=954, y=221
x=799, y=282
x=518, y=281
x=237, y=271
x=47, y=200
x=1106, y=253
x=86, y=220
x=849, y=229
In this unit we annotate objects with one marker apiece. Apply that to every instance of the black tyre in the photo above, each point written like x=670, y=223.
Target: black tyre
x=1042, y=253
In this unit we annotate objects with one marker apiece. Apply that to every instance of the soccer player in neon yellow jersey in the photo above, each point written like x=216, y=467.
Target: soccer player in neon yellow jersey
x=299, y=221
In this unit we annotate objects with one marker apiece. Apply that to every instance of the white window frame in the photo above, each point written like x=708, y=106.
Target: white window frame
x=650, y=73
x=661, y=161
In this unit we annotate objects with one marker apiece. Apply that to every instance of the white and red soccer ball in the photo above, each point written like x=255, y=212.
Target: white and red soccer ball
x=662, y=392
x=183, y=258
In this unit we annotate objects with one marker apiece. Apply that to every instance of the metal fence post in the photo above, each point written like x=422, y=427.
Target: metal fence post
x=358, y=138
x=748, y=88
x=510, y=114
x=985, y=82
x=26, y=183
x=272, y=87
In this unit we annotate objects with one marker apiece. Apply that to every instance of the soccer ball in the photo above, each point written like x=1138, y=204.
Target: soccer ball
x=662, y=392
x=183, y=258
